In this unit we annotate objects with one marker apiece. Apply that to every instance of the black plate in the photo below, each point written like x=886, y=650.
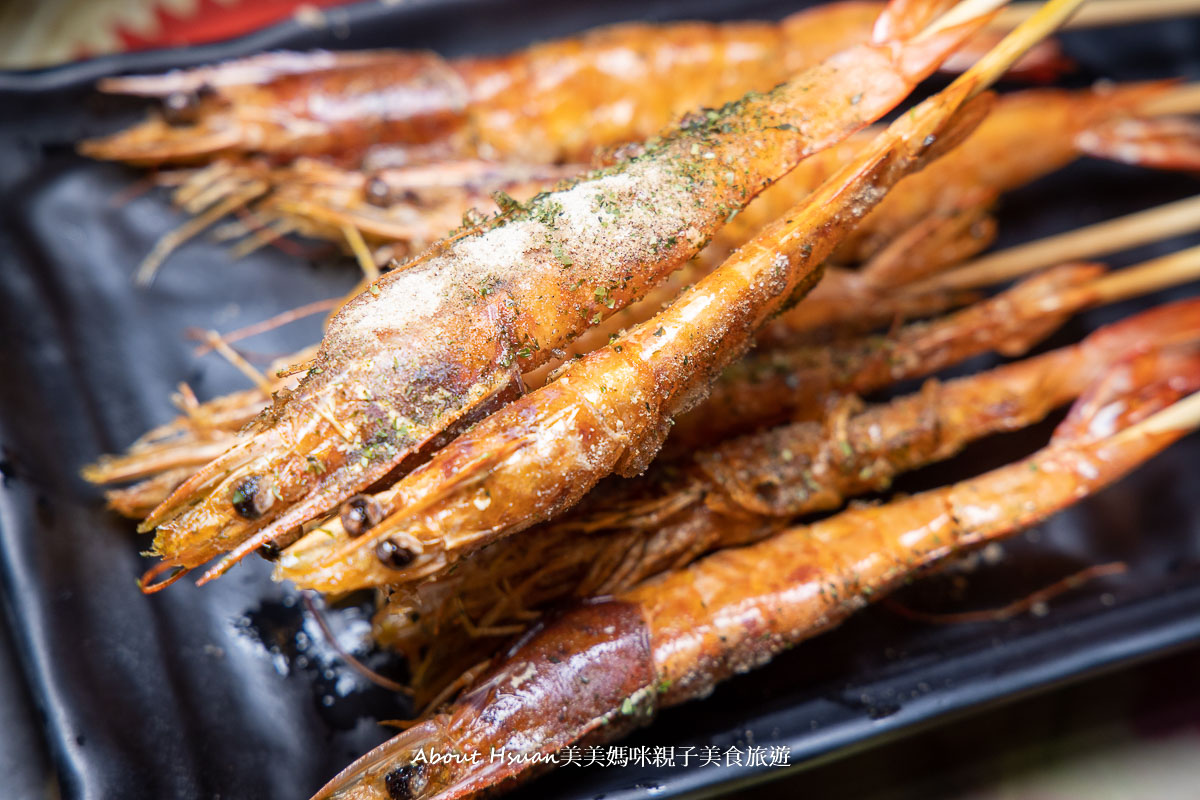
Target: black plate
x=230, y=691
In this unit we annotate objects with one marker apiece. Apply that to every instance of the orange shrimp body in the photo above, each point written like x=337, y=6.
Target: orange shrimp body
x=675, y=637
x=611, y=410
x=737, y=608
x=433, y=346
x=555, y=101
x=562, y=100
x=844, y=303
x=777, y=385
x=748, y=488
x=1031, y=134
x=930, y=221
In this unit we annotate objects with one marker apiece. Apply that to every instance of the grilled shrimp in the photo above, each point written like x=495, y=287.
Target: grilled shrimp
x=165, y=457
x=795, y=383
x=553, y=102
x=610, y=411
x=941, y=216
x=1035, y=132
x=748, y=488
x=675, y=637
x=944, y=218
x=429, y=349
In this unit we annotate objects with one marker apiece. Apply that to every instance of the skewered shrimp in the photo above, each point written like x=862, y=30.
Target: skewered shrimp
x=400, y=209
x=675, y=637
x=939, y=217
x=610, y=411
x=553, y=102
x=1038, y=132
x=167, y=456
x=748, y=488
x=432, y=347
x=776, y=385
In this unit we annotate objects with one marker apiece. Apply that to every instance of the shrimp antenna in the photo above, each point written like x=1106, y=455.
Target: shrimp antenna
x=216, y=342
x=269, y=324
x=362, y=253
x=1025, y=604
x=171, y=241
x=359, y=667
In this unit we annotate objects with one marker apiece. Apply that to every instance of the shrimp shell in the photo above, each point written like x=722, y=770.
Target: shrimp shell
x=776, y=385
x=675, y=637
x=552, y=102
x=748, y=488
x=610, y=411
x=433, y=347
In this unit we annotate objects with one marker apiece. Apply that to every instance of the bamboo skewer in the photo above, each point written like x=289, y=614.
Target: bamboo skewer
x=1149, y=276
x=1044, y=19
x=1179, y=416
x=1110, y=236
x=1102, y=13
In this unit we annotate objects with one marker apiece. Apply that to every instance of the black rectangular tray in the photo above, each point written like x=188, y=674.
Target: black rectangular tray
x=229, y=691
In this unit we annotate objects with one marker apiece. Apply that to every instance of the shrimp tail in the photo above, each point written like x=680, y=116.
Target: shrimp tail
x=920, y=38
x=904, y=19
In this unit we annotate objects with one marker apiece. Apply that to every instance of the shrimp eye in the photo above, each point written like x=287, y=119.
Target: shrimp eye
x=270, y=551
x=378, y=193
x=182, y=108
x=392, y=555
x=359, y=514
x=400, y=782
x=244, y=498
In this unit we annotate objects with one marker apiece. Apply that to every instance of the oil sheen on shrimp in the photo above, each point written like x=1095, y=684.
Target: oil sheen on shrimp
x=611, y=410
x=444, y=340
x=796, y=383
x=995, y=158
x=400, y=209
x=748, y=488
x=553, y=102
x=675, y=637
